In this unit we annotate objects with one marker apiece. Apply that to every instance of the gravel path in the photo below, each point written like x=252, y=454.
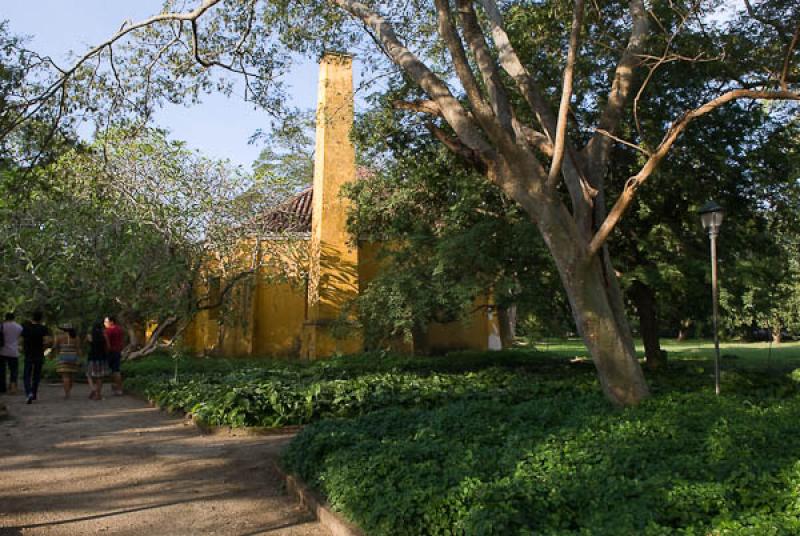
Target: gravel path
x=118, y=466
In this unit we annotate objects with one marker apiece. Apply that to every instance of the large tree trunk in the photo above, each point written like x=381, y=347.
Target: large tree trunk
x=595, y=300
x=420, y=340
x=644, y=297
x=608, y=341
x=507, y=317
x=777, y=327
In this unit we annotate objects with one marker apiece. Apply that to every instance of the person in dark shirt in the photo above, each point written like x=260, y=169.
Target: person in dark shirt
x=97, y=364
x=115, y=342
x=35, y=336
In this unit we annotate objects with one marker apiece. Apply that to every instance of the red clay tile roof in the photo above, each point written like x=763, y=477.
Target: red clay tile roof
x=294, y=214
x=291, y=216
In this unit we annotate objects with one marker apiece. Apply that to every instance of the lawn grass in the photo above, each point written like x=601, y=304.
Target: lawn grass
x=745, y=354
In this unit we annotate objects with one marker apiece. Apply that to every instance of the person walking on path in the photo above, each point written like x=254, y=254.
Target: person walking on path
x=97, y=364
x=115, y=341
x=35, y=336
x=9, y=354
x=67, y=353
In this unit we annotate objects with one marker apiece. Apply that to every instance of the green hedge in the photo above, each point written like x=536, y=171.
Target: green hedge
x=273, y=398
x=563, y=464
x=274, y=393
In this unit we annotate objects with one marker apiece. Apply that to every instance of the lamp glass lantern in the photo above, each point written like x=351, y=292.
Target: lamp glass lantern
x=711, y=215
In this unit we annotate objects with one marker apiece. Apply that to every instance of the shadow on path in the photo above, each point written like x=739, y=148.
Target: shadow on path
x=119, y=467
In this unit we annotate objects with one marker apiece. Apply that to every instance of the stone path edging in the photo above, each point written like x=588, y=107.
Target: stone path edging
x=318, y=506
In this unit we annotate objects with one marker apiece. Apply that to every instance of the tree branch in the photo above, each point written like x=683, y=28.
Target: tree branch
x=151, y=345
x=677, y=128
x=420, y=106
x=537, y=140
x=624, y=142
x=599, y=147
x=566, y=96
x=498, y=98
x=456, y=147
x=212, y=63
x=511, y=63
x=581, y=192
x=788, y=58
x=452, y=110
x=461, y=63
x=122, y=32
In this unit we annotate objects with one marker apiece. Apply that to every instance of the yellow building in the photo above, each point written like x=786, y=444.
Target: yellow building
x=293, y=315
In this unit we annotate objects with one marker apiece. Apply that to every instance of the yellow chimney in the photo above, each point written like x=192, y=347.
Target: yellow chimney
x=333, y=262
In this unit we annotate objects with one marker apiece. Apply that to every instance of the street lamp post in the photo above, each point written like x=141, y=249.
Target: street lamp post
x=711, y=215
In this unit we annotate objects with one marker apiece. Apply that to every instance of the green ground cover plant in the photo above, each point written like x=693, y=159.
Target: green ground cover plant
x=279, y=393
x=567, y=463
x=273, y=393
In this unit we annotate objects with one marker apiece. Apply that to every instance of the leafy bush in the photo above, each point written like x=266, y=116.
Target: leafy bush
x=275, y=393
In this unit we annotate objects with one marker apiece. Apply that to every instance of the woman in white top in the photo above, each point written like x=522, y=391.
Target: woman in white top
x=9, y=353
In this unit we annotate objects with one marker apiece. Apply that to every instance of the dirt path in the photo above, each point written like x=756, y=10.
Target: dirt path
x=119, y=467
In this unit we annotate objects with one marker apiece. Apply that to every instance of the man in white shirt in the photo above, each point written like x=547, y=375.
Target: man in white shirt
x=9, y=353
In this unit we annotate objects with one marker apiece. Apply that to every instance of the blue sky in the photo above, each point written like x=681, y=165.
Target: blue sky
x=219, y=127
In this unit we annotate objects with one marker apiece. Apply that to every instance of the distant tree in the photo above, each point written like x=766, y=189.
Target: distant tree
x=766, y=277
x=130, y=224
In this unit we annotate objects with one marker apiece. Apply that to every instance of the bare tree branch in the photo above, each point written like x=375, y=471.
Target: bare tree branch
x=581, y=193
x=456, y=147
x=486, y=63
x=151, y=345
x=672, y=134
x=788, y=58
x=665, y=57
x=126, y=29
x=566, y=95
x=461, y=64
x=624, y=142
x=511, y=63
x=452, y=110
x=537, y=140
x=598, y=148
x=212, y=63
x=421, y=106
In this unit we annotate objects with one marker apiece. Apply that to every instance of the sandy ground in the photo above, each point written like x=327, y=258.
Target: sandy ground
x=117, y=466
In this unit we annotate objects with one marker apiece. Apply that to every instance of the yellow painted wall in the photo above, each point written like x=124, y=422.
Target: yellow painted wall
x=471, y=333
x=270, y=316
x=279, y=316
x=236, y=330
